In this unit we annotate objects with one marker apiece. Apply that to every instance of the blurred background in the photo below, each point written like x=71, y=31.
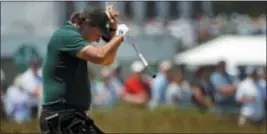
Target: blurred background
x=205, y=53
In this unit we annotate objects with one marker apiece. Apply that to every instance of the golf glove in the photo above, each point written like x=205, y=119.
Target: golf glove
x=122, y=30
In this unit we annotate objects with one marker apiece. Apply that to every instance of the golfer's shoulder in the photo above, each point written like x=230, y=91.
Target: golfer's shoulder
x=67, y=32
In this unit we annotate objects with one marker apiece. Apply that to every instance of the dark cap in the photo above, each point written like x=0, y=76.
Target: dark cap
x=98, y=18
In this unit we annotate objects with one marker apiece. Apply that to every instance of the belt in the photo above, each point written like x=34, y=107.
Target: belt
x=62, y=106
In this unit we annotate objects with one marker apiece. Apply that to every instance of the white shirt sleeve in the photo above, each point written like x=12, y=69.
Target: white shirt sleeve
x=186, y=87
x=172, y=90
x=28, y=82
x=240, y=92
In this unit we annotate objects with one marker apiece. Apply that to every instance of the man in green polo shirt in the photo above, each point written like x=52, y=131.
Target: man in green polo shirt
x=66, y=95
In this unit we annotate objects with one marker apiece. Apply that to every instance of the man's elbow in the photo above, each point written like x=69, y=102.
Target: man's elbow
x=106, y=63
x=108, y=60
x=101, y=57
x=96, y=60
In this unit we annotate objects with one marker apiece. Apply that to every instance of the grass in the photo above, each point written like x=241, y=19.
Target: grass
x=126, y=119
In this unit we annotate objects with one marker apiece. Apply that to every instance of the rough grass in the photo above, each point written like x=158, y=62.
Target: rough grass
x=125, y=119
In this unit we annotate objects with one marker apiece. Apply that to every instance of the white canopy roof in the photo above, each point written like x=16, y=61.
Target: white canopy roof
x=239, y=50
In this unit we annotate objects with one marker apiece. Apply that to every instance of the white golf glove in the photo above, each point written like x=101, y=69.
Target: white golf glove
x=122, y=30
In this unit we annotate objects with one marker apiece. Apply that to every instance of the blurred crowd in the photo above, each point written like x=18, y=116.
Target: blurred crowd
x=212, y=90
x=202, y=28
x=21, y=100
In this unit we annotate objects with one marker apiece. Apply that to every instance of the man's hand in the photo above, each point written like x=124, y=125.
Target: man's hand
x=113, y=15
x=122, y=30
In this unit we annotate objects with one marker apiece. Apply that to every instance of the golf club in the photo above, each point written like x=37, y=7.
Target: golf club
x=140, y=55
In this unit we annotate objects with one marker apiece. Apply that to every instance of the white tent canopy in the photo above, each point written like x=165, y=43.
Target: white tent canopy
x=239, y=50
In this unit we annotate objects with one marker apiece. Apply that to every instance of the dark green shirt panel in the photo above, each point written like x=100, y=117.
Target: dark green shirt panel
x=65, y=76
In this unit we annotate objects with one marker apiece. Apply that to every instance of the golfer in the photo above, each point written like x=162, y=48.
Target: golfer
x=66, y=94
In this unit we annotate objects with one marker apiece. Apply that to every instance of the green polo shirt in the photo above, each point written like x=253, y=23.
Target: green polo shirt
x=65, y=76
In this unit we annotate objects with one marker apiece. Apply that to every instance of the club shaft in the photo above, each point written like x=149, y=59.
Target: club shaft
x=140, y=55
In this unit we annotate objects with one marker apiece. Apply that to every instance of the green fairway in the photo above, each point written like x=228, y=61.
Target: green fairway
x=139, y=120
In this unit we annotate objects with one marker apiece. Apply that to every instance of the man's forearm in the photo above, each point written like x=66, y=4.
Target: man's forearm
x=110, y=47
x=111, y=58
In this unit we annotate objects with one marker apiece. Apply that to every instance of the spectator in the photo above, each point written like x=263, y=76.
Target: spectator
x=3, y=114
x=2, y=93
x=116, y=78
x=31, y=82
x=179, y=91
x=154, y=27
x=3, y=81
x=16, y=102
x=105, y=93
x=183, y=30
x=262, y=84
x=262, y=23
x=159, y=84
x=244, y=26
x=262, y=80
x=224, y=89
x=2, y=75
x=117, y=72
x=136, y=90
x=202, y=88
x=251, y=98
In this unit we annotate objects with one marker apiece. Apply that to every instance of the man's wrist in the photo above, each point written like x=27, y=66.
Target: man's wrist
x=120, y=37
